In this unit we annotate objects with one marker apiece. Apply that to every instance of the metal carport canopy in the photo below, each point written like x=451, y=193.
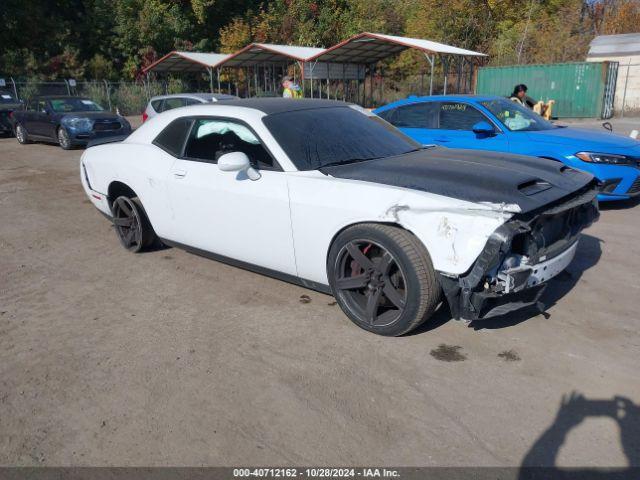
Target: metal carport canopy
x=368, y=48
x=186, y=62
x=267, y=53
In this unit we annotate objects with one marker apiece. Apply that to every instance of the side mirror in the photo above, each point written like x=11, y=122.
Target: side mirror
x=237, y=162
x=483, y=128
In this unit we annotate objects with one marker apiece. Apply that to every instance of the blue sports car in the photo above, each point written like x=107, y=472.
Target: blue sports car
x=496, y=123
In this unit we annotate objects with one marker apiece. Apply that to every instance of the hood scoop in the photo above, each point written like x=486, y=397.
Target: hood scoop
x=534, y=186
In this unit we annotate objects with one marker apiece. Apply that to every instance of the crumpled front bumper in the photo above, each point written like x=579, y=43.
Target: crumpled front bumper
x=490, y=289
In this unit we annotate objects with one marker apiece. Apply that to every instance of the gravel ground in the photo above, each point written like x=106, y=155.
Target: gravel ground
x=166, y=358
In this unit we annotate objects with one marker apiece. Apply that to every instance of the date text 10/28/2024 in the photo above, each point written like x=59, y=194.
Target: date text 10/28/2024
x=315, y=473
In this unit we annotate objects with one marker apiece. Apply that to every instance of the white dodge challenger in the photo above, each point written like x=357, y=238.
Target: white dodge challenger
x=323, y=194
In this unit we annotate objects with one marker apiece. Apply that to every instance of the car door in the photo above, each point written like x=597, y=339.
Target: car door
x=226, y=213
x=39, y=121
x=28, y=114
x=455, y=128
x=418, y=120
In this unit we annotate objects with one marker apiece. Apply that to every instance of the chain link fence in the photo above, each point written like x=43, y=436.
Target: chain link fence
x=126, y=98
x=131, y=98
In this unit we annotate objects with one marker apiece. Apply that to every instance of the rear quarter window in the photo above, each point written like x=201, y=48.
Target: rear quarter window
x=416, y=115
x=157, y=105
x=172, y=138
x=171, y=103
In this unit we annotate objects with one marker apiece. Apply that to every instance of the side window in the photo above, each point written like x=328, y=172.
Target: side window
x=171, y=103
x=210, y=138
x=191, y=101
x=172, y=138
x=157, y=105
x=417, y=115
x=389, y=115
x=459, y=116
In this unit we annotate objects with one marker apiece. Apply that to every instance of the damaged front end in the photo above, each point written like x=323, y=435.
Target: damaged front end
x=519, y=257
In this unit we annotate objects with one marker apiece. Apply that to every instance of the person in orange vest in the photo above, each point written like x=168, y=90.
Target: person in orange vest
x=291, y=88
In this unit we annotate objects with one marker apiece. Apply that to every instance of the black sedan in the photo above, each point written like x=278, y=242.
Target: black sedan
x=69, y=121
x=8, y=104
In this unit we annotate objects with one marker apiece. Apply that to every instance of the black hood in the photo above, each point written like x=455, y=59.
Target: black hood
x=471, y=175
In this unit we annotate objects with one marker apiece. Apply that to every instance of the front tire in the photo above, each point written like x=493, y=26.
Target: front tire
x=132, y=225
x=382, y=278
x=21, y=135
x=63, y=139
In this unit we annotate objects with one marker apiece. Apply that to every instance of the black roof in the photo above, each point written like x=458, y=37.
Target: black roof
x=280, y=105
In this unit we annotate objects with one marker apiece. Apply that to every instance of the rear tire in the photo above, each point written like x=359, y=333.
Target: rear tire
x=22, y=135
x=382, y=278
x=132, y=225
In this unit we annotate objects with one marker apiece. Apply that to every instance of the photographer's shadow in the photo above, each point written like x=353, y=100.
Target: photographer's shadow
x=541, y=460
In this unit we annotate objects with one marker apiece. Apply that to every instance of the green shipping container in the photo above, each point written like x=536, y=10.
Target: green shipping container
x=577, y=88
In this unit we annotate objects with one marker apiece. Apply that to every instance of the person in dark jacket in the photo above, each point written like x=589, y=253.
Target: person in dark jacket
x=520, y=96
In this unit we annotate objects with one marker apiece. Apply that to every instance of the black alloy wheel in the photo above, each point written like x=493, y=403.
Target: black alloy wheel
x=382, y=278
x=131, y=224
x=371, y=282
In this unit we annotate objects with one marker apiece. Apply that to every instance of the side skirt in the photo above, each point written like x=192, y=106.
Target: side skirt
x=285, y=277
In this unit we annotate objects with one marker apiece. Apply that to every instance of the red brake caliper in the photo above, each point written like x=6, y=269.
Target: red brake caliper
x=356, y=269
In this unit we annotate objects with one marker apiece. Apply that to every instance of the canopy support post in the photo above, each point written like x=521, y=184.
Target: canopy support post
x=218, y=78
x=210, y=71
x=371, y=87
x=445, y=65
x=432, y=60
x=248, y=81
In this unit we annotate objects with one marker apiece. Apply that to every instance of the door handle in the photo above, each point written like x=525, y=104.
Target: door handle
x=442, y=139
x=179, y=173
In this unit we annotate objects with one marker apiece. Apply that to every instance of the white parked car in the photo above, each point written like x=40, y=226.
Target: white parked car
x=321, y=194
x=162, y=103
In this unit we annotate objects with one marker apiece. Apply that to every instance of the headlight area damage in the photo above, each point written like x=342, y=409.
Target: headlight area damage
x=519, y=257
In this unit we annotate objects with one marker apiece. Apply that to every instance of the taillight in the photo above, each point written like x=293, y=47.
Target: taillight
x=144, y=116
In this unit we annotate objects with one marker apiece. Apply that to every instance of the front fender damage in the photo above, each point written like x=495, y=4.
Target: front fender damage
x=504, y=276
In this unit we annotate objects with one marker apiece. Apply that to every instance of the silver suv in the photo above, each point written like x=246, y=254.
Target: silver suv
x=162, y=103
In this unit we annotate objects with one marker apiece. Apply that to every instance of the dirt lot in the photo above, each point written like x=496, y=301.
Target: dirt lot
x=165, y=358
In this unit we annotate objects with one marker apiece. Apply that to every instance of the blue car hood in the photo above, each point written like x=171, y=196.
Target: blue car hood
x=587, y=140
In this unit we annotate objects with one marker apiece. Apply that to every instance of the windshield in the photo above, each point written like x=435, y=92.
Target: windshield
x=319, y=137
x=516, y=117
x=6, y=98
x=74, y=105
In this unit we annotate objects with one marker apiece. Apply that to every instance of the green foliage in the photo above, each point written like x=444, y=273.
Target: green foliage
x=176, y=85
x=96, y=91
x=29, y=89
x=115, y=38
x=98, y=67
x=129, y=98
